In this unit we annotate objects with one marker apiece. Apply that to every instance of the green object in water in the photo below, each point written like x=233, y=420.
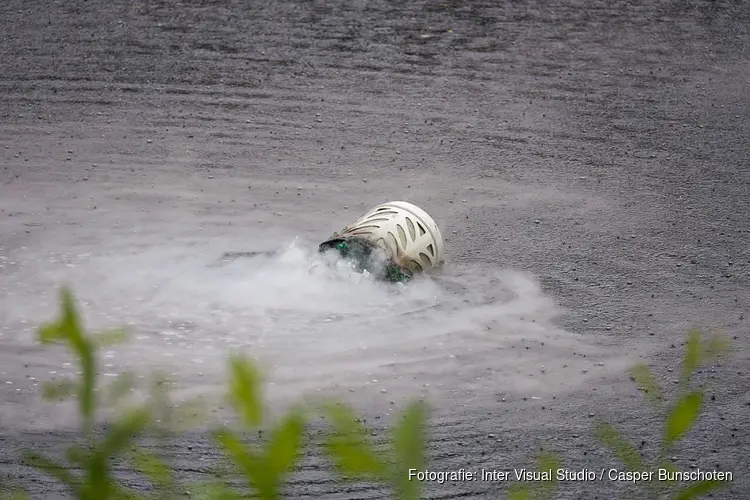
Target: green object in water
x=395, y=274
x=360, y=252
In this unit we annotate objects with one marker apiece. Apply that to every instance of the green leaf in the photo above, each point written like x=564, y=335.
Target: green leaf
x=349, y=447
x=610, y=437
x=245, y=392
x=66, y=326
x=69, y=328
x=55, y=470
x=78, y=456
x=118, y=438
x=409, y=443
x=59, y=390
x=548, y=461
x=14, y=495
x=248, y=463
x=213, y=490
x=645, y=379
x=284, y=444
x=682, y=416
x=119, y=492
x=700, y=489
x=154, y=468
x=122, y=433
x=691, y=359
x=669, y=467
x=699, y=351
x=520, y=492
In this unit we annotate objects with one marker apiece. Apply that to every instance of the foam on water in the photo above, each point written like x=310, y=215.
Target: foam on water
x=320, y=327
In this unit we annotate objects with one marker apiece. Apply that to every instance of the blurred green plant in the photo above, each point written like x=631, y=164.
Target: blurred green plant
x=92, y=457
x=166, y=420
x=88, y=474
x=545, y=488
x=263, y=468
x=679, y=417
x=355, y=458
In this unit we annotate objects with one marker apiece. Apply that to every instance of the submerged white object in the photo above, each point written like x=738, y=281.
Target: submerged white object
x=405, y=232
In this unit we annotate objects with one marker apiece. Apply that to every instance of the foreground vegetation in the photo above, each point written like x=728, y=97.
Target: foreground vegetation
x=263, y=468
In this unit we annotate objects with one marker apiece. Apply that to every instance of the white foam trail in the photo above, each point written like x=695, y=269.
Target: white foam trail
x=473, y=328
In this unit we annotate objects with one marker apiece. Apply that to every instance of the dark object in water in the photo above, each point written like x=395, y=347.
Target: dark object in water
x=393, y=241
x=229, y=257
x=366, y=255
